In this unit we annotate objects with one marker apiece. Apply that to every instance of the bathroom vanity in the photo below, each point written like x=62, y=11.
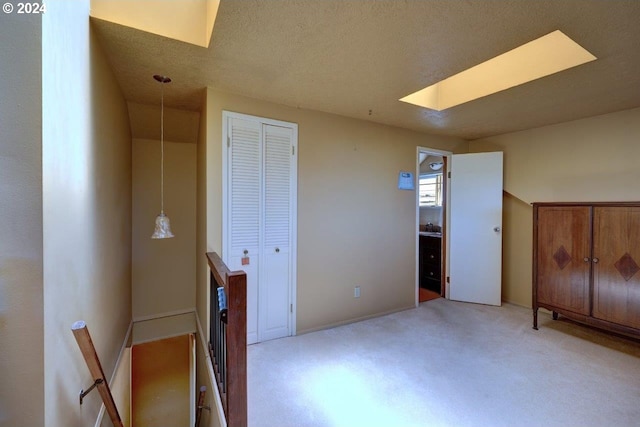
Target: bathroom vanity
x=430, y=269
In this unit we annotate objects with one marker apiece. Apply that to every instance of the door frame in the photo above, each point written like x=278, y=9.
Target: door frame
x=226, y=115
x=446, y=155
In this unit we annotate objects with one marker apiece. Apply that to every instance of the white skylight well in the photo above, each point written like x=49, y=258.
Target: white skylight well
x=539, y=58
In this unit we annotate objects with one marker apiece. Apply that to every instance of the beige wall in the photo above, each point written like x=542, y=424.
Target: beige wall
x=86, y=210
x=202, y=270
x=120, y=387
x=594, y=159
x=164, y=270
x=345, y=166
x=21, y=283
x=204, y=373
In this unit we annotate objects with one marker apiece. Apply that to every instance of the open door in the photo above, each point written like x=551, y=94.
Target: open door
x=475, y=268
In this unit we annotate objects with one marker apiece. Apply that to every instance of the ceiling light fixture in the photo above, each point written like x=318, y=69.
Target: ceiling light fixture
x=539, y=58
x=163, y=225
x=436, y=166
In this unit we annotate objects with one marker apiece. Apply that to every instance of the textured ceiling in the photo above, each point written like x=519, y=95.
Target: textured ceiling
x=350, y=57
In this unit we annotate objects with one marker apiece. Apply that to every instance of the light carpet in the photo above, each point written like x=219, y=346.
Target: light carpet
x=447, y=363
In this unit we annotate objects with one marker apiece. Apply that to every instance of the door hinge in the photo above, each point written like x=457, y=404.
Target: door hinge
x=293, y=150
x=228, y=141
x=291, y=307
x=449, y=174
x=448, y=281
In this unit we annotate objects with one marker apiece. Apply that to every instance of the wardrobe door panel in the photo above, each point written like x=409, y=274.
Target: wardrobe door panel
x=275, y=278
x=245, y=171
x=564, y=254
x=616, y=251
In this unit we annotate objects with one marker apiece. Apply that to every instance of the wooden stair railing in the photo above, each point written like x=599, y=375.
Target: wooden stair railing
x=81, y=333
x=228, y=338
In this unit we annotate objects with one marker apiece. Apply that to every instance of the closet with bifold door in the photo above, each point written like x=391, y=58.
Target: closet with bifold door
x=259, y=218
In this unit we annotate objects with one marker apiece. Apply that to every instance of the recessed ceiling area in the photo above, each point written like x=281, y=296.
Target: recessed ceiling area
x=190, y=21
x=539, y=58
x=358, y=58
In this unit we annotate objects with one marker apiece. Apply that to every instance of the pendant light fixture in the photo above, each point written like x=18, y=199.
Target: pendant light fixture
x=163, y=225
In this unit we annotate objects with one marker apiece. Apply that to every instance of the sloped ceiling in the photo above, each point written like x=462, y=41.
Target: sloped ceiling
x=358, y=57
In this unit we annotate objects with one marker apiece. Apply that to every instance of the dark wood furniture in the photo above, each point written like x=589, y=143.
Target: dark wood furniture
x=228, y=338
x=430, y=263
x=586, y=263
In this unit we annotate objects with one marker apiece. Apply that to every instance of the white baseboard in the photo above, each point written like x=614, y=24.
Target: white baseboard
x=165, y=314
x=357, y=319
x=115, y=370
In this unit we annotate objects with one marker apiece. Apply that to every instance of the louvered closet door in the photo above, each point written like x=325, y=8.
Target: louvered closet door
x=274, y=298
x=260, y=220
x=244, y=210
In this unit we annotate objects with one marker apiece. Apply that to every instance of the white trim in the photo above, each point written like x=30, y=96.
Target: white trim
x=162, y=337
x=163, y=327
x=294, y=235
x=192, y=376
x=225, y=184
x=113, y=374
x=355, y=320
x=212, y=376
x=162, y=315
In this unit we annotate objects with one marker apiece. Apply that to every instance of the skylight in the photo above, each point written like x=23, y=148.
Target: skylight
x=539, y=58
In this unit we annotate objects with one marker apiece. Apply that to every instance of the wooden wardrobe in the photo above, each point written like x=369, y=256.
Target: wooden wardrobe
x=586, y=263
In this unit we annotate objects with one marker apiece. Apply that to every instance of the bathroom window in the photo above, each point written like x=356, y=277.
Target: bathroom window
x=430, y=190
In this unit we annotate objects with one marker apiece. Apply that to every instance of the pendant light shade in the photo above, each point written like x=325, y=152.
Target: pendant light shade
x=163, y=225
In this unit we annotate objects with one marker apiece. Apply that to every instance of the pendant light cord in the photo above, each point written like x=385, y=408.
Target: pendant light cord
x=162, y=149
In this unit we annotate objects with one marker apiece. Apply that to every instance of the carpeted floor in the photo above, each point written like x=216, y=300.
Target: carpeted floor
x=447, y=364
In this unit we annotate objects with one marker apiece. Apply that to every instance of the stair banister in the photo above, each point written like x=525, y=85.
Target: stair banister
x=81, y=333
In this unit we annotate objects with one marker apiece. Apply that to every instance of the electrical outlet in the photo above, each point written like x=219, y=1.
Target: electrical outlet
x=356, y=292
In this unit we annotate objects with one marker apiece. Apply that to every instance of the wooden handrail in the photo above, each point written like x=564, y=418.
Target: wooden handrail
x=200, y=405
x=233, y=387
x=81, y=333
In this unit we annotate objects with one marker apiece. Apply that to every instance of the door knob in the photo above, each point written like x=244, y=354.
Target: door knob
x=245, y=252
x=277, y=250
x=595, y=260
x=496, y=229
x=586, y=259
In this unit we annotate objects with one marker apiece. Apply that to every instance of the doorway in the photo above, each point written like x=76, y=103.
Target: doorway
x=431, y=207
x=469, y=225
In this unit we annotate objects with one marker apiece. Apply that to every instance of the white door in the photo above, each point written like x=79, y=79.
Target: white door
x=475, y=229
x=244, y=169
x=274, y=308
x=259, y=220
